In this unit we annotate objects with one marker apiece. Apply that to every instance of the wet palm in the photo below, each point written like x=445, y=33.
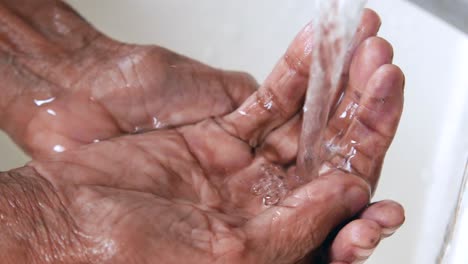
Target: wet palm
x=71, y=85
x=177, y=190
x=182, y=194
x=185, y=193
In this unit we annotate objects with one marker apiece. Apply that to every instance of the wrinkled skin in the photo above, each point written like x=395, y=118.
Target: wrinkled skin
x=182, y=193
x=101, y=88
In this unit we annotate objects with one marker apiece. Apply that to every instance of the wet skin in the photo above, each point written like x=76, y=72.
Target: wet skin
x=180, y=191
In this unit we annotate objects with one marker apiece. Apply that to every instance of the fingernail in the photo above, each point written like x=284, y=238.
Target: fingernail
x=357, y=198
x=362, y=253
x=386, y=232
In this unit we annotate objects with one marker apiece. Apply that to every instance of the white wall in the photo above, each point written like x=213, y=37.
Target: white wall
x=425, y=164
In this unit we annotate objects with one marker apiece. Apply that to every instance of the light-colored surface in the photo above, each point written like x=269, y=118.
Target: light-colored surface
x=457, y=238
x=425, y=165
x=453, y=11
x=10, y=156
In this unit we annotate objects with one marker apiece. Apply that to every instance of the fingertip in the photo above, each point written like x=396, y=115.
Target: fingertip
x=354, y=190
x=388, y=214
x=371, y=21
x=378, y=49
x=365, y=234
x=370, y=55
x=387, y=80
x=398, y=75
x=238, y=85
x=356, y=241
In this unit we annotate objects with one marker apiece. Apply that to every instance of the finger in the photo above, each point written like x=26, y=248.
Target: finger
x=207, y=92
x=238, y=86
x=281, y=146
x=56, y=21
x=279, y=98
x=388, y=214
x=346, y=136
x=368, y=27
x=360, y=147
x=370, y=56
x=303, y=220
x=18, y=38
x=356, y=241
x=189, y=94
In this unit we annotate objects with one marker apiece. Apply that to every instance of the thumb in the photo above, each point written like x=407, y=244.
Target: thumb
x=300, y=224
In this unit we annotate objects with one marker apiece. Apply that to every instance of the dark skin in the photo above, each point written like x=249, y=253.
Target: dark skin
x=180, y=191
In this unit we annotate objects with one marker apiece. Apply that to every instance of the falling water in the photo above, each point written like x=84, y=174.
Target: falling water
x=334, y=25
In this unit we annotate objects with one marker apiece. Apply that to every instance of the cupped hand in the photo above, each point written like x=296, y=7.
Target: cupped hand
x=64, y=84
x=183, y=194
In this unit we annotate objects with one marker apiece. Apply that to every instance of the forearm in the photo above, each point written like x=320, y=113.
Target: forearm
x=34, y=224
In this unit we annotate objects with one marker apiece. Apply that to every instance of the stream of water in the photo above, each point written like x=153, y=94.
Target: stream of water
x=335, y=23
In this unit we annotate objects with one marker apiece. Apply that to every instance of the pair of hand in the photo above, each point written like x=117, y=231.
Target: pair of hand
x=152, y=155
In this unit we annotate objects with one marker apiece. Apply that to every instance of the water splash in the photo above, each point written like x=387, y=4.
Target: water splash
x=335, y=23
x=272, y=186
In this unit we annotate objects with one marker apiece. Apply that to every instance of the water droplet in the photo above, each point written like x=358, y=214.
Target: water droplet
x=59, y=148
x=344, y=115
x=242, y=113
x=137, y=130
x=43, y=102
x=51, y=112
x=350, y=111
x=268, y=105
x=157, y=124
x=347, y=160
x=271, y=199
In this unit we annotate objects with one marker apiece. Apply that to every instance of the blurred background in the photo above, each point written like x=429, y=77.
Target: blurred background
x=453, y=11
x=424, y=168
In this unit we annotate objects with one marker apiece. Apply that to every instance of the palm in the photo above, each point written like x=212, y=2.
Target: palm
x=198, y=208
x=169, y=193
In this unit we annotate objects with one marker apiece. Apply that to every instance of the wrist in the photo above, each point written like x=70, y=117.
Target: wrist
x=34, y=224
